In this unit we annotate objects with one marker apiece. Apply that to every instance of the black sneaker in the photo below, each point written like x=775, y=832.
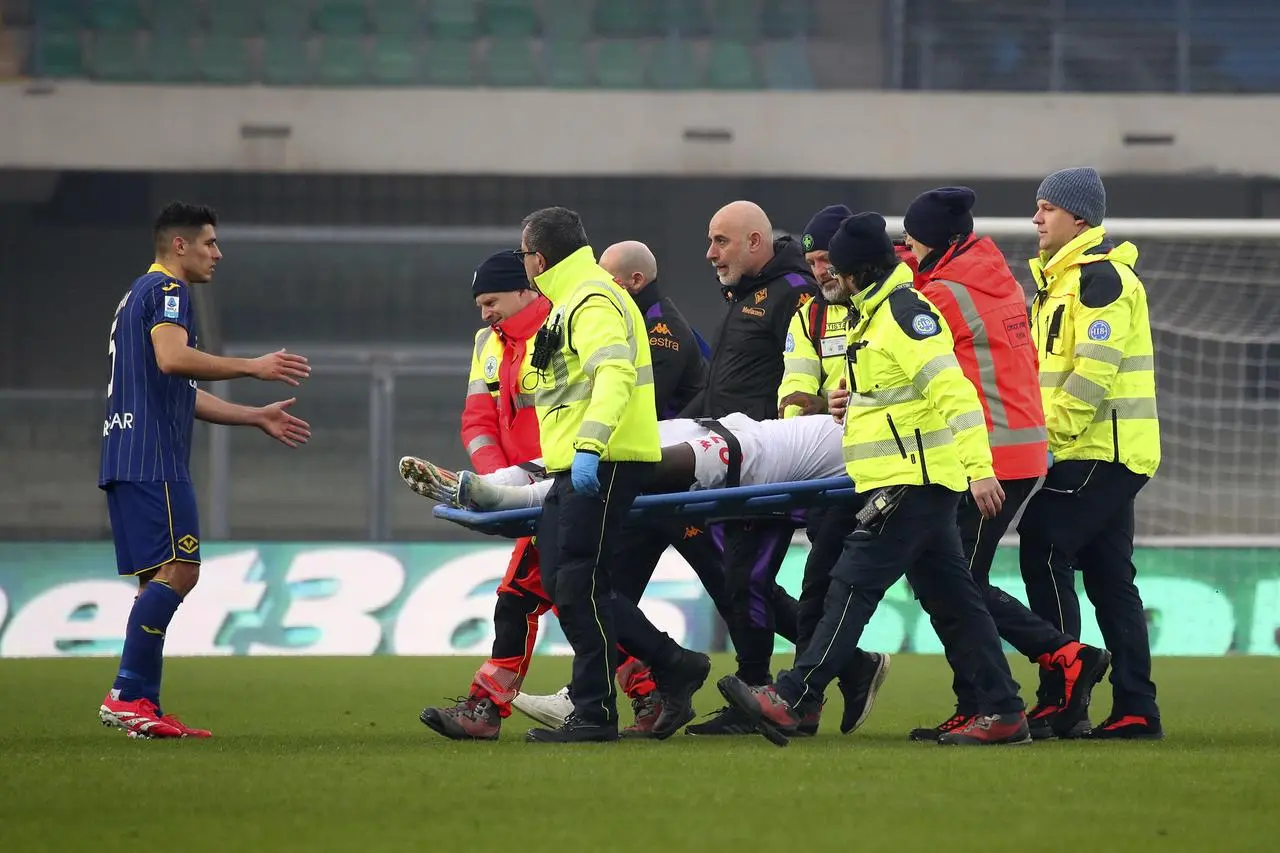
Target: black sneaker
x=860, y=693
x=956, y=721
x=1128, y=727
x=575, y=730
x=1081, y=667
x=727, y=721
x=677, y=684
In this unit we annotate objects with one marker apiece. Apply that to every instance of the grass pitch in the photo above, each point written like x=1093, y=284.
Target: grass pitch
x=328, y=754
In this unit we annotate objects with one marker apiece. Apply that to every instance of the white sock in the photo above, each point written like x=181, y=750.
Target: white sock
x=486, y=494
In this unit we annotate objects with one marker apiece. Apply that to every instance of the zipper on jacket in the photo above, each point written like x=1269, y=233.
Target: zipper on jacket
x=902, y=448
x=1115, y=434
x=1055, y=329
x=924, y=469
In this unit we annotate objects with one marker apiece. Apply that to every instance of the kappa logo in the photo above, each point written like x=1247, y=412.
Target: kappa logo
x=803, y=300
x=188, y=544
x=690, y=532
x=761, y=295
x=661, y=329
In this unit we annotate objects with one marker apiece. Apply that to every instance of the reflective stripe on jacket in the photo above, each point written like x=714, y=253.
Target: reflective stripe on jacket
x=1097, y=363
x=986, y=310
x=597, y=392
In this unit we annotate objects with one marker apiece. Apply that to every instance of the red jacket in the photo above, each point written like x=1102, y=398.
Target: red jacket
x=499, y=421
x=986, y=310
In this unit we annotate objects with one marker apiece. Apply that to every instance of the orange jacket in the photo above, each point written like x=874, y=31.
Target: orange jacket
x=986, y=309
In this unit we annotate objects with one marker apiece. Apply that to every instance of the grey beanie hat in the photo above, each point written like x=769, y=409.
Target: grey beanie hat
x=1078, y=190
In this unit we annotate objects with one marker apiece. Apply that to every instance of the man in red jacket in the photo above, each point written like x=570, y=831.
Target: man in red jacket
x=500, y=429
x=969, y=281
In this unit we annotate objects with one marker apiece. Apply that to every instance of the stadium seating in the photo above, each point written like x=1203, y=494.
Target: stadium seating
x=1140, y=45
x=636, y=44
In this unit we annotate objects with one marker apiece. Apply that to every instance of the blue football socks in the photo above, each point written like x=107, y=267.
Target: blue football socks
x=143, y=656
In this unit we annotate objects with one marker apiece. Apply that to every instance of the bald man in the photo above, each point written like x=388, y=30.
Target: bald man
x=763, y=281
x=679, y=364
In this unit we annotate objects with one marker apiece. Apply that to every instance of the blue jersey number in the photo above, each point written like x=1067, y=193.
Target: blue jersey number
x=111, y=346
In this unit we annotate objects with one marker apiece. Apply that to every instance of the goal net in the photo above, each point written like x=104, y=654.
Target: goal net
x=1214, y=292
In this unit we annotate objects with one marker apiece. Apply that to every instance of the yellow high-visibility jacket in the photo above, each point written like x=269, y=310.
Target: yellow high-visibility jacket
x=806, y=368
x=1097, y=363
x=913, y=418
x=597, y=393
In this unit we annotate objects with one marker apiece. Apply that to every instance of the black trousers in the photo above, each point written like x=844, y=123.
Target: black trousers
x=1030, y=634
x=577, y=572
x=1083, y=518
x=642, y=543
x=919, y=537
x=702, y=545
x=753, y=554
x=828, y=526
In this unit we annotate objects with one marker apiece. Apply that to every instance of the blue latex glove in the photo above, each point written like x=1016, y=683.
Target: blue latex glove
x=585, y=472
x=1050, y=458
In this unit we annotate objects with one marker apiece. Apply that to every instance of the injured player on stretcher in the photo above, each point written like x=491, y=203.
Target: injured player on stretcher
x=694, y=457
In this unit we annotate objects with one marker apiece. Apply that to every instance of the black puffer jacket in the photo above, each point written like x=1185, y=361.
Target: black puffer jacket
x=746, y=364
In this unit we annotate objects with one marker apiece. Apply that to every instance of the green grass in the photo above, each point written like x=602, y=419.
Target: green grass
x=328, y=754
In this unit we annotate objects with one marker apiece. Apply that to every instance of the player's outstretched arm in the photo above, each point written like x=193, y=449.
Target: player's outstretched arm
x=174, y=357
x=273, y=419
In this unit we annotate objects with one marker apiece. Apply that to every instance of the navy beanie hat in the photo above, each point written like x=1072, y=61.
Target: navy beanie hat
x=500, y=273
x=824, y=224
x=938, y=215
x=861, y=239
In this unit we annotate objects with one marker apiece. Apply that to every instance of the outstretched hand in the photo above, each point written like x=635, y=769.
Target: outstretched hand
x=274, y=419
x=281, y=366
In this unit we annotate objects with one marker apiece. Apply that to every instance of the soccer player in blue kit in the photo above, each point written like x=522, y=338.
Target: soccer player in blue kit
x=152, y=404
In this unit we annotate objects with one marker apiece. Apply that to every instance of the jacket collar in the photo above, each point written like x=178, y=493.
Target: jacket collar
x=1051, y=267
x=867, y=301
x=1088, y=247
x=648, y=296
x=525, y=322
x=557, y=282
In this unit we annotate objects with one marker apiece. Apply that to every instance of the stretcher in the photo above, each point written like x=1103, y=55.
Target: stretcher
x=762, y=501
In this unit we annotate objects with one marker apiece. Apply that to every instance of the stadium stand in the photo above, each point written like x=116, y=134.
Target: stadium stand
x=1008, y=45
x=665, y=44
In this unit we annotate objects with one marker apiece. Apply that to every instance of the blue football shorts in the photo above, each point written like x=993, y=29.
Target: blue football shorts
x=153, y=524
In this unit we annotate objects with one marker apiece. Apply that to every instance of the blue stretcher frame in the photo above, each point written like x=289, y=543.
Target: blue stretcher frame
x=769, y=499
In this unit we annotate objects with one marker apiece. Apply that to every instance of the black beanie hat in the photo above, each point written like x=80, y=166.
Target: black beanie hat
x=823, y=225
x=938, y=215
x=860, y=239
x=500, y=273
